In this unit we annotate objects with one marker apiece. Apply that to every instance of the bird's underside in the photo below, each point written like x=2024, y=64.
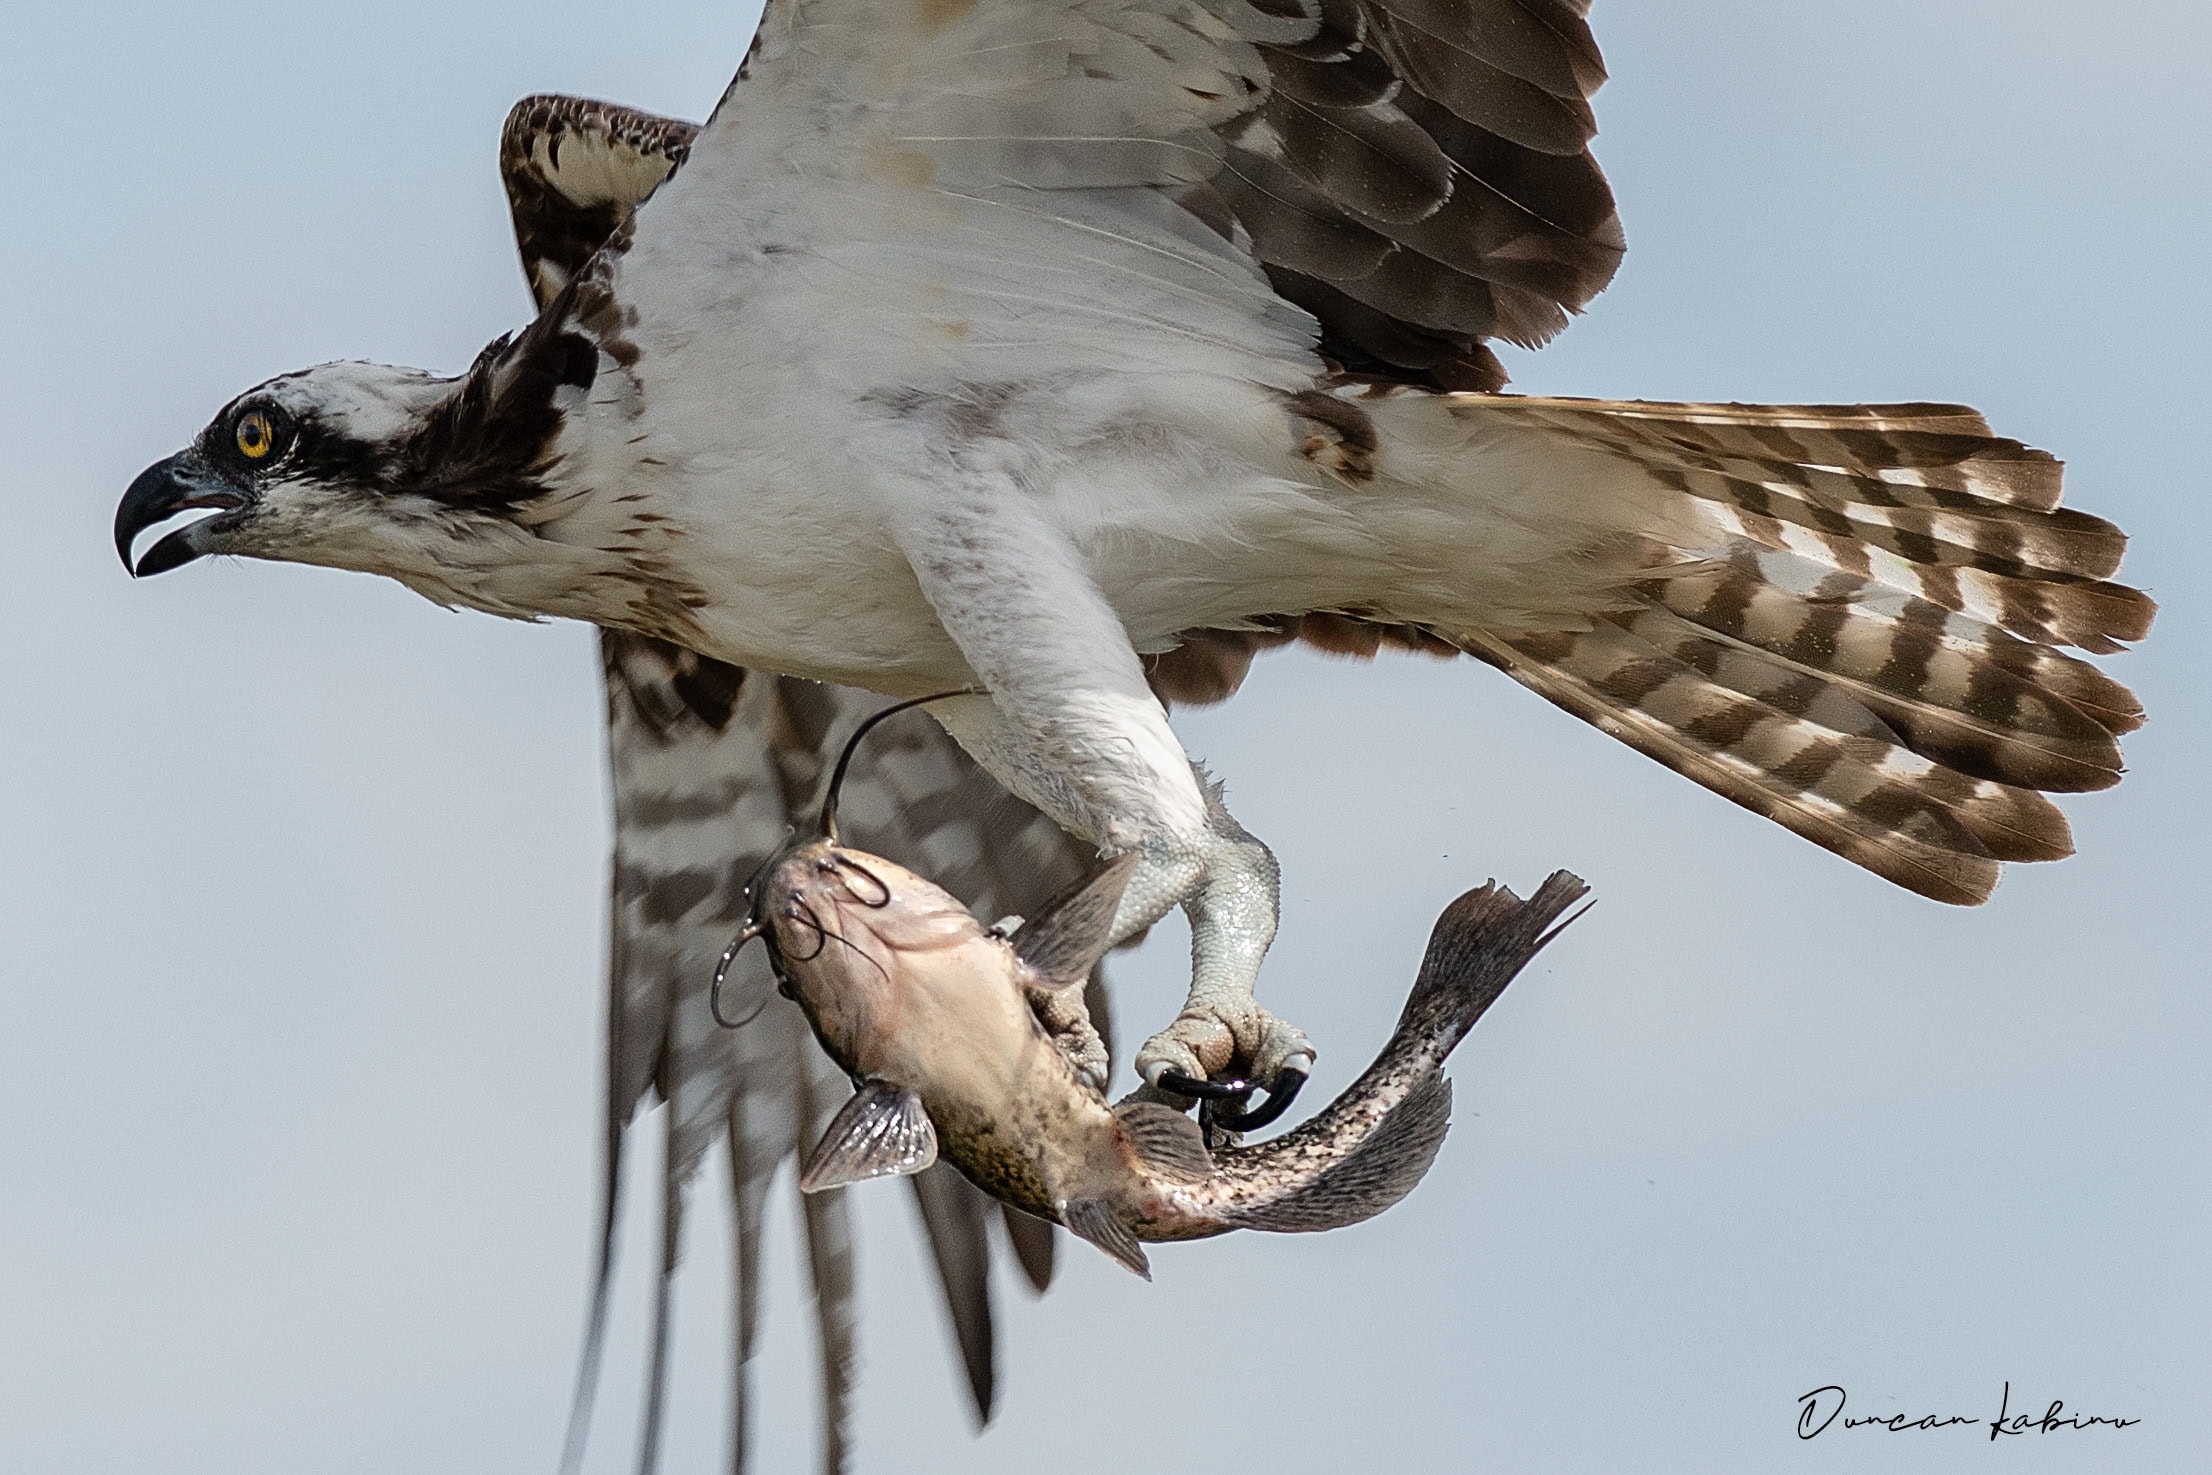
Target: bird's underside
x=713, y=766
x=1075, y=351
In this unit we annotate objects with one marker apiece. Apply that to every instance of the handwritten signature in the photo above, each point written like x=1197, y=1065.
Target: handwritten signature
x=1823, y=1407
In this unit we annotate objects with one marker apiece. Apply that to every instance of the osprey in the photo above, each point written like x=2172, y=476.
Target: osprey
x=1069, y=352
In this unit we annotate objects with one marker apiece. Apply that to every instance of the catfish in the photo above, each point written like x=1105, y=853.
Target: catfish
x=941, y=1023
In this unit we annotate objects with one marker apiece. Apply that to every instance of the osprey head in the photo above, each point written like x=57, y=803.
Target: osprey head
x=300, y=468
x=362, y=466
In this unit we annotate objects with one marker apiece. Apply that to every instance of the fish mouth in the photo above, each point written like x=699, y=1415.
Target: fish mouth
x=184, y=482
x=809, y=899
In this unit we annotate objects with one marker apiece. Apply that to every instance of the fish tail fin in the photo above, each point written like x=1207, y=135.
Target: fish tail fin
x=1479, y=944
x=1382, y=1170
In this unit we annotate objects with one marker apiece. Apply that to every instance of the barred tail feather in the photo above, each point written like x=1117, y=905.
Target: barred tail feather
x=1967, y=522
x=1930, y=446
x=1957, y=703
x=1866, y=652
x=1847, y=618
x=1824, y=774
x=1879, y=633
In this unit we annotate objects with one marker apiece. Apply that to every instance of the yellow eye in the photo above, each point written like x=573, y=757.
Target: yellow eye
x=256, y=436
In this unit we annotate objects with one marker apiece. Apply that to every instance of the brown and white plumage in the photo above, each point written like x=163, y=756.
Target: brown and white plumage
x=1849, y=619
x=1419, y=178
x=1869, y=655
x=712, y=766
x=1018, y=342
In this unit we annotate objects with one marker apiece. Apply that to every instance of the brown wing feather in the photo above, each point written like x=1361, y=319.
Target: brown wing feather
x=1868, y=652
x=575, y=169
x=711, y=769
x=953, y=1217
x=1418, y=177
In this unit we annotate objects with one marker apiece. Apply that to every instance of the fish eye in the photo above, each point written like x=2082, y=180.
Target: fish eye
x=255, y=435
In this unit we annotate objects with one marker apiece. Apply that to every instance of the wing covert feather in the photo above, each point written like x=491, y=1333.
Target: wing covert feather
x=1426, y=162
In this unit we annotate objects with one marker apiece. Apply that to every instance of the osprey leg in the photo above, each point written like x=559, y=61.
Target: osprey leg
x=1070, y=725
x=1226, y=882
x=1228, y=885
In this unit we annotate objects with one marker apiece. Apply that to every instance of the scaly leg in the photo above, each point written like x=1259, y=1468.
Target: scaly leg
x=1069, y=725
x=1224, y=879
x=1229, y=886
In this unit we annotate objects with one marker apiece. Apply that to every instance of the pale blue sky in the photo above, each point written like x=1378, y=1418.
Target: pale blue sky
x=300, y=876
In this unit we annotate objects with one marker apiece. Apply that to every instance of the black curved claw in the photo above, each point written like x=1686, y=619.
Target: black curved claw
x=1197, y=1090
x=1215, y=1098
x=1279, y=1096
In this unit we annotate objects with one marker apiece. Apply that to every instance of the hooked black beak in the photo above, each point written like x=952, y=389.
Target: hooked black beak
x=163, y=490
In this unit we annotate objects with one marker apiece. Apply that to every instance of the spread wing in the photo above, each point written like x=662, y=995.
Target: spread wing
x=1843, y=618
x=1416, y=174
x=712, y=766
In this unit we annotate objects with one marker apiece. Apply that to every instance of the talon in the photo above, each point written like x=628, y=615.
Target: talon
x=1279, y=1096
x=1197, y=1045
x=1197, y=1090
x=1202, y=1046
x=1224, y=1104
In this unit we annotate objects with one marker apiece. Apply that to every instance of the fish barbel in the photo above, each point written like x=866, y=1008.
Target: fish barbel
x=937, y=1019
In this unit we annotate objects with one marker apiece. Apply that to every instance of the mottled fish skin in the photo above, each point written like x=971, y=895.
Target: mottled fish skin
x=1369, y=1147
x=904, y=986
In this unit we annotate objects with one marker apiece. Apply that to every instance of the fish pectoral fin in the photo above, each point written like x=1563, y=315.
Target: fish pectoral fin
x=1166, y=1141
x=1061, y=944
x=1092, y=1219
x=883, y=1131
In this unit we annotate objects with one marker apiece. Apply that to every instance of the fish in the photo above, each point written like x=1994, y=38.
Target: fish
x=941, y=1022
